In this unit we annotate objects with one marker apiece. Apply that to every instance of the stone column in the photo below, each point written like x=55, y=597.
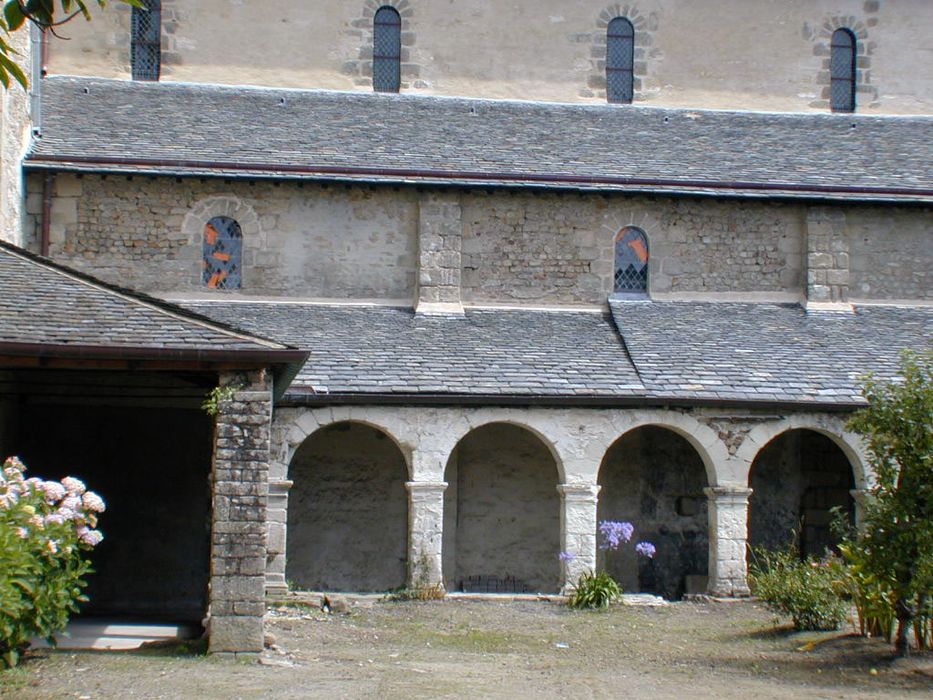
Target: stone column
x=239, y=501
x=425, y=532
x=860, y=496
x=277, y=511
x=578, y=530
x=728, y=528
x=440, y=232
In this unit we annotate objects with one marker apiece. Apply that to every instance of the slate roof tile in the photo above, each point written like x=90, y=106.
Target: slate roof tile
x=235, y=131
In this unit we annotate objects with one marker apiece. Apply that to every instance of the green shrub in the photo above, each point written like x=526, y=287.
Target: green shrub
x=45, y=529
x=594, y=591
x=807, y=591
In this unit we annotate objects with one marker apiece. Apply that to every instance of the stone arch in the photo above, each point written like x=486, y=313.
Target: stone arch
x=502, y=521
x=797, y=477
x=711, y=450
x=232, y=207
x=850, y=443
x=348, y=510
x=821, y=36
x=654, y=477
x=359, y=65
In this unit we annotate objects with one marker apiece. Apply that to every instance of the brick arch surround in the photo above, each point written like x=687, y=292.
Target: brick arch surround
x=360, y=66
x=646, y=50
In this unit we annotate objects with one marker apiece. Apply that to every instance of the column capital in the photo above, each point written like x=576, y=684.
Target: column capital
x=578, y=492
x=426, y=488
x=724, y=493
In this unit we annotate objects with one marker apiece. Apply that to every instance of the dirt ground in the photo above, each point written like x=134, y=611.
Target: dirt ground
x=498, y=649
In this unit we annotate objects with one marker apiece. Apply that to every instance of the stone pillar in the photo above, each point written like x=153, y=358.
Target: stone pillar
x=728, y=536
x=239, y=527
x=425, y=532
x=860, y=496
x=277, y=514
x=440, y=232
x=578, y=530
x=827, y=257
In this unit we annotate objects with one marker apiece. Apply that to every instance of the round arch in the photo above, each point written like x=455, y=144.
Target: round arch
x=502, y=511
x=348, y=510
x=850, y=444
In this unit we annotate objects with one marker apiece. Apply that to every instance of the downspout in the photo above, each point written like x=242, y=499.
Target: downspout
x=48, y=184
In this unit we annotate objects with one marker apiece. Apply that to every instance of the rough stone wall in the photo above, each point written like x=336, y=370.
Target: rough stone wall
x=891, y=254
x=558, y=249
x=311, y=241
x=439, y=239
x=654, y=479
x=827, y=255
x=796, y=480
x=15, y=124
x=239, y=529
x=504, y=510
x=348, y=512
x=767, y=55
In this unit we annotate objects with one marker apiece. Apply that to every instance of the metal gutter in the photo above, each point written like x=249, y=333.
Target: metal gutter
x=111, y=352
x=468, y=178
x=301, y=398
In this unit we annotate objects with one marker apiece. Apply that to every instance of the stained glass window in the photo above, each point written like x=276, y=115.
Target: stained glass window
x=387, y=50
x=842, y=71
x=146, y=40
x=631, y=261
x=222, y=253
x=620, y=57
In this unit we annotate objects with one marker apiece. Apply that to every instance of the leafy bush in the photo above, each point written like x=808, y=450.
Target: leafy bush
x=45, y=529
x=594, y=591
x=872, y=596
x=807, y=591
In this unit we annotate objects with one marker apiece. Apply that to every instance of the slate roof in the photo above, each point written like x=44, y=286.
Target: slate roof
x=182, y=129
x=46, y=304
x=766, y=352
x=678, y=352
x=486, y=352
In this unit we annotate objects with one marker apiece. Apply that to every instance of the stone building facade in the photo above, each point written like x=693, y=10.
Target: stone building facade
x=526, y=310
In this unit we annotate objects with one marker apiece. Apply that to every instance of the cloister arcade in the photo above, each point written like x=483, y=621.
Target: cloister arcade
x=367, y=498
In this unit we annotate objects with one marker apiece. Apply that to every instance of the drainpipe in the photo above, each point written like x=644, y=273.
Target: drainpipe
x=48, y=184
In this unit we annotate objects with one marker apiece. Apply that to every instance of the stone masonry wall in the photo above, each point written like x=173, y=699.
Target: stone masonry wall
x=441, y=248
x=300, y=241
x=558, y=249
x=14, y=134
x=239, y=529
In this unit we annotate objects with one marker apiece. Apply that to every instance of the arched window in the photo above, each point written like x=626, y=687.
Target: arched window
x=387, y=50
x=842, y=71
x=631, y=261
x=146, y=40
x=620, y=57
x=222, y=253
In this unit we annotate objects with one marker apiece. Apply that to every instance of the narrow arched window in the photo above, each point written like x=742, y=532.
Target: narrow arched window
x=222, y=253
x=631, y=261
x=146, y=40
x=842, y=71
x=620, y=57
x=387, y=50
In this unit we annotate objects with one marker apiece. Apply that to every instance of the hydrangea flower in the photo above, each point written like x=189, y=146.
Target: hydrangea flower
x=92, y=537
x=92, y=502
x=646, y=549
x=54, y=491
x=74, y=486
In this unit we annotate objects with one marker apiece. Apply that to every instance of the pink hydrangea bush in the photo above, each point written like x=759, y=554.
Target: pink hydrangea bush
x=46, y=530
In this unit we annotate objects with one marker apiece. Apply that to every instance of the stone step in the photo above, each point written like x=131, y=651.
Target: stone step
x=112, y=635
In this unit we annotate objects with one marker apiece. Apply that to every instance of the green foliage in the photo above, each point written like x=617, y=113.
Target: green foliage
x=594, y=591
x=45, y=529
x=870, y=594
x=807, y=591
x=421, y=589
x=895, y=545
x=46, y=14
x=218, y=395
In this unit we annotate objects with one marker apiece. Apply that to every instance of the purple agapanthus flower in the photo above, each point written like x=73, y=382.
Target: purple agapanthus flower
x=614, y=533
x=646, y=549
x=567, y=556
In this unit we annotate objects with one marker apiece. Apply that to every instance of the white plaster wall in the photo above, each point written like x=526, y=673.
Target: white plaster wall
x=15, y=125
x=738, y=54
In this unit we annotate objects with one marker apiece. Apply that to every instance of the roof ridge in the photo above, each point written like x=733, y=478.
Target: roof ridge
x=140, y=298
